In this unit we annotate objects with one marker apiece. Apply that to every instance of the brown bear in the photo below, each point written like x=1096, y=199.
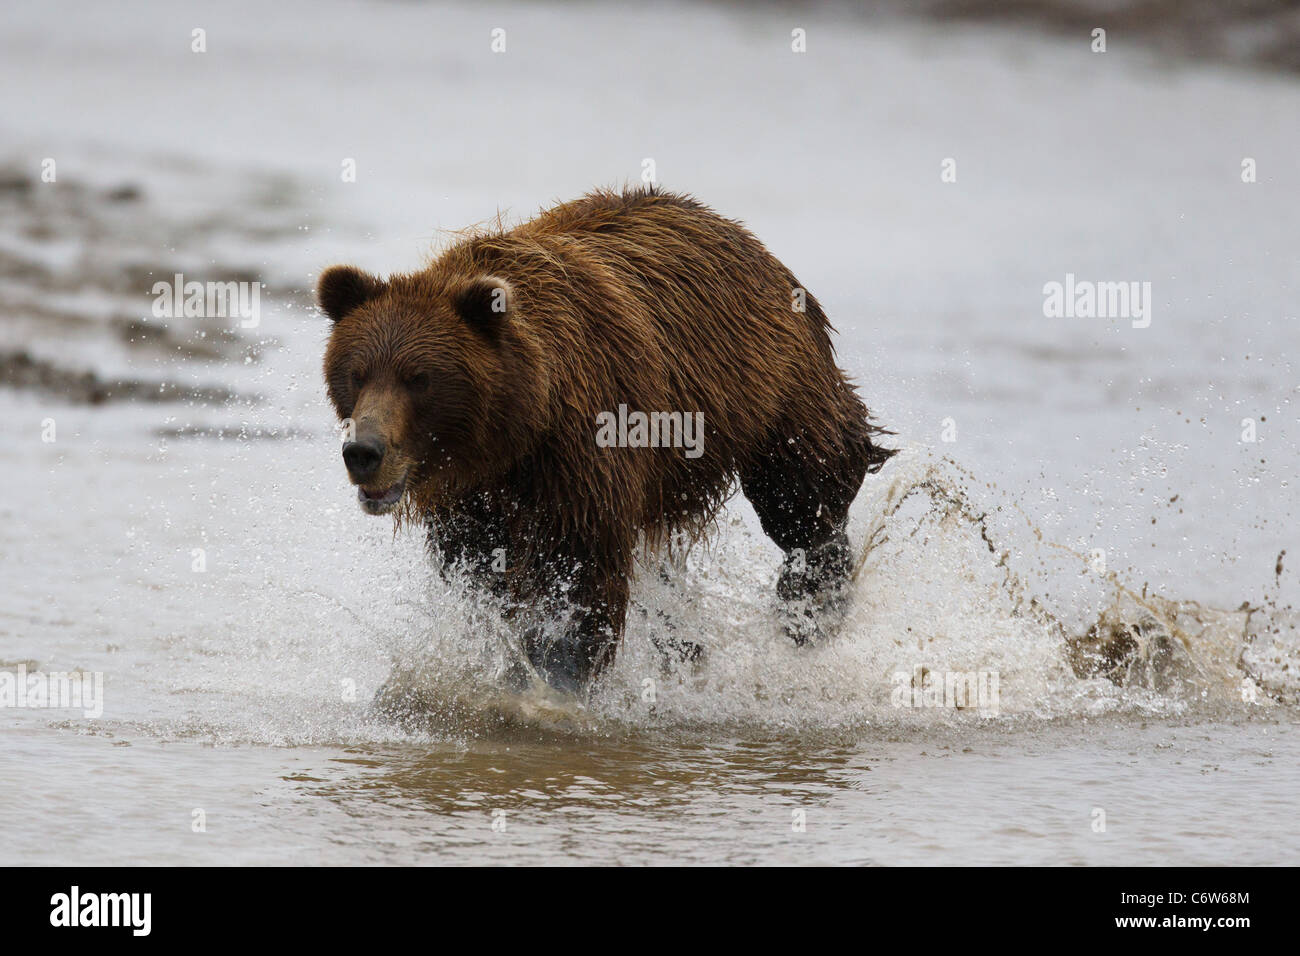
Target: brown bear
x=551, y=397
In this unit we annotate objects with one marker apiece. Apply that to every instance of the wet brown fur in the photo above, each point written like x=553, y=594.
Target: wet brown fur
x=642, y=298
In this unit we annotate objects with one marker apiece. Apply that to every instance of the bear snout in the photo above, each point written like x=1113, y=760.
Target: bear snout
x=363, y=458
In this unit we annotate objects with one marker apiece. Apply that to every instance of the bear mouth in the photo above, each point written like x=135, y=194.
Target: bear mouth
x=378, y=501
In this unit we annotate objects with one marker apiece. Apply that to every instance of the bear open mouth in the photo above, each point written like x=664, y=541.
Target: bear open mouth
x=378, y=501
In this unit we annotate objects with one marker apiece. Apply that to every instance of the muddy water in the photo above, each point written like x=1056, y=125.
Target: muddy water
x=1075, y=522
x=1192, y=794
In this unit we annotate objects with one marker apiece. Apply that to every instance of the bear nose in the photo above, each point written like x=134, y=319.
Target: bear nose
x=363, y=457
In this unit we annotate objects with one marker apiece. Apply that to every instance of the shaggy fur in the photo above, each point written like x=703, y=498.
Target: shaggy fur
x=481, y=378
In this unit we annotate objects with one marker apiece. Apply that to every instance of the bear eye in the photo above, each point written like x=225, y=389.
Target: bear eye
x=356, y=380
x=419, y=382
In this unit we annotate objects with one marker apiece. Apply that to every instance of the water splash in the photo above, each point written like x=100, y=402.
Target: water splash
x=934, y=591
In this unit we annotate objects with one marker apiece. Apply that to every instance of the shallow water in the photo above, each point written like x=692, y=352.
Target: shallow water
x=1193, y=794
x=207, y=557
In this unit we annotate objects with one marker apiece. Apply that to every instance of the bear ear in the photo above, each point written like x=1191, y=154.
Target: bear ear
x=343, y=289
x=484, y=301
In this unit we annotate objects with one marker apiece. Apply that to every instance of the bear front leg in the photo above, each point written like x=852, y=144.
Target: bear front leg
x=472, y=539
x=582, y=625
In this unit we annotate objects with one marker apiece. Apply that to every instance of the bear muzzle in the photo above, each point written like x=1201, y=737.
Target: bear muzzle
x=383, y=500
x=363, y=458
x=379, y=489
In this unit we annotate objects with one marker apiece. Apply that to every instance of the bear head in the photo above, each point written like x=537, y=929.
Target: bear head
x=436, y=378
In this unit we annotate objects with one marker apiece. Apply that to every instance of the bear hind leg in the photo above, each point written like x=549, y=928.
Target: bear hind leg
x=804, y=509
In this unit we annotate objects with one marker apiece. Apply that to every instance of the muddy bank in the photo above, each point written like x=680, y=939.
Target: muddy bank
x=80, y=265
x=1259, y=33
x=21, y=370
